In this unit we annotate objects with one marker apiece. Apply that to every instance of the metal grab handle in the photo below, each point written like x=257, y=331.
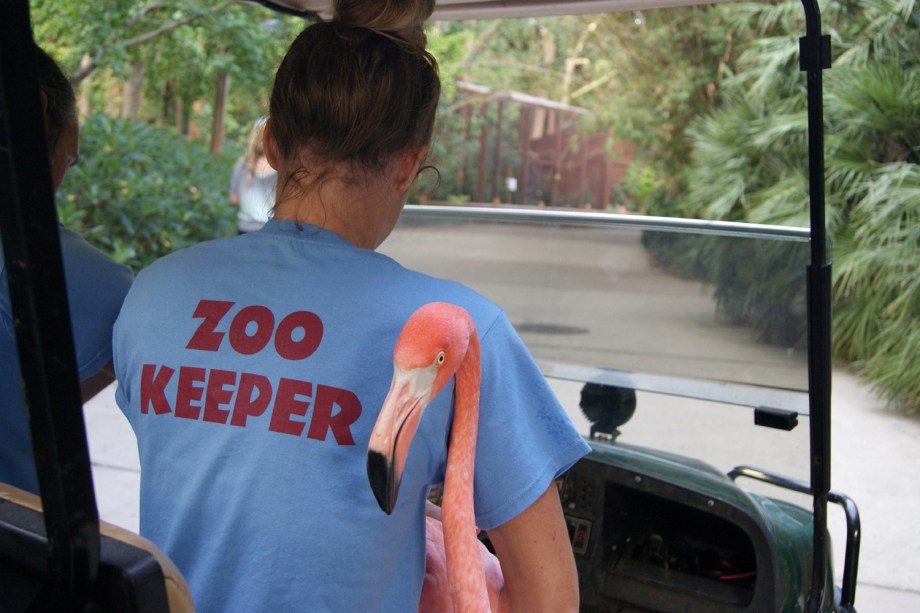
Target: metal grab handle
x=850, y=510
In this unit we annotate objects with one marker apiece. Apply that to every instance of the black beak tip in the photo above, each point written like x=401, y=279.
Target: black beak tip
x=383, y=481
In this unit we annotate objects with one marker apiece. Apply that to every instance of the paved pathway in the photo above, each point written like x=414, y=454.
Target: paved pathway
x=611, y=307
x=875, y=451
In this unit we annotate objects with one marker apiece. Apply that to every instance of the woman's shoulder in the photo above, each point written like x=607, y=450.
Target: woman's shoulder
x=425, y=288
x=88, y=269
x=191, y=260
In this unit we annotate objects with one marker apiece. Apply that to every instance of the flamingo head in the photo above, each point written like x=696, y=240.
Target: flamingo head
x=428, y=352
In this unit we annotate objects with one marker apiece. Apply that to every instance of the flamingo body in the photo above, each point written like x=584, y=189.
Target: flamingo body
x=438, y=342
x=436, y=596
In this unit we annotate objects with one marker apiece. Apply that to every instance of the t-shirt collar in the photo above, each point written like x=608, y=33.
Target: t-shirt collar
x=302, y=230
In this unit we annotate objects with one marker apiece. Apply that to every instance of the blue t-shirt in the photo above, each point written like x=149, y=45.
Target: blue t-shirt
x=96, y=287
x=252, y=370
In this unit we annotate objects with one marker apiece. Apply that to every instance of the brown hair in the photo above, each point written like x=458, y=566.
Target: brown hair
x=356, y=90
x=61, y=105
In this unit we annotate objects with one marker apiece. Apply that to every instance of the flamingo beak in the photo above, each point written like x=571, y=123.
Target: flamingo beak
x=392, y=435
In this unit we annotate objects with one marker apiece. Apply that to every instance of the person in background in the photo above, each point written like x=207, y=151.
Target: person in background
x=252, y=184
x=253, y=368
x=96, y=287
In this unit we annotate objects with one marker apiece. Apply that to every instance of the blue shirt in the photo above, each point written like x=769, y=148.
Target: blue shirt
x=252, y=370
x=96, y=287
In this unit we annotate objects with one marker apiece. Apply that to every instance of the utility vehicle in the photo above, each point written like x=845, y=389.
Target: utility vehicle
x=651, y=529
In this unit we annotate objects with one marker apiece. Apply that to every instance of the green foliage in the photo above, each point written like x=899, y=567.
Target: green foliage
x=877, y=280
x=635, y=76
x=140, y=192
x=758, y=284
x=175, y=51
x=632, y=71
x=667, y=64
x=244, y=41
x=455, y=145
x=750, y=156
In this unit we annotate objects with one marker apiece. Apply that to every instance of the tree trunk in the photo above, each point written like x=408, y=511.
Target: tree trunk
x=573, y=61
x=194, y=129
x=112, y=100
x=83, y=104
x=167, y=104
x=221, y=92
x=180, y=114
x=131, y=92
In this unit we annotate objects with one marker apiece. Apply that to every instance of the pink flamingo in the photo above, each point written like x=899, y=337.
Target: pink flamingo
x=438, y=341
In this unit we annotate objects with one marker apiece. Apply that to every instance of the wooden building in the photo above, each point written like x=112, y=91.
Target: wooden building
x=550, y=164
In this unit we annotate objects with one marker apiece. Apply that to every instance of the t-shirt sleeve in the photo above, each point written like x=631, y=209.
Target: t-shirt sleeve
x=525, y=437
x=96, y=288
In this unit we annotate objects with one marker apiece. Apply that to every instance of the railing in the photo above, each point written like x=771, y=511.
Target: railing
x=611, y=220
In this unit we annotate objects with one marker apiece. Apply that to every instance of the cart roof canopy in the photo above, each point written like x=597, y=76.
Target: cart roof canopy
x=492, y=9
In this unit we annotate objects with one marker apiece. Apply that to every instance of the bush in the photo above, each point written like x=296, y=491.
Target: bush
x=141, y=192
x=749, y=161
x=759, y=284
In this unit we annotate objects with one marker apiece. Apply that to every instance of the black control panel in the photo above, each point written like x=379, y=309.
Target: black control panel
x=642, y=543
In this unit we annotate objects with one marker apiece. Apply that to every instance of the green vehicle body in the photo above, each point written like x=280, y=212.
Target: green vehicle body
x=774, y=534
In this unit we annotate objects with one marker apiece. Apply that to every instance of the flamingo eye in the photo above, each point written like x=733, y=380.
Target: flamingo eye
x=440, y=359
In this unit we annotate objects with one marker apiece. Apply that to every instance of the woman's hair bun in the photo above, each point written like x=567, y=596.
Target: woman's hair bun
x=402, y=18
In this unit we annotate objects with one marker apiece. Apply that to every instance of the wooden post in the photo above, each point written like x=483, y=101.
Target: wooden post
x=462, y=175
x=483, y=142
x=497, y=154
x=583, y=171
x=526, y=131
x=557, y=159
x=605, y=179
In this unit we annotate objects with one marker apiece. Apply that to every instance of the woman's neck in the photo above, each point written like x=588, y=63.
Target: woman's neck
x=363, y=215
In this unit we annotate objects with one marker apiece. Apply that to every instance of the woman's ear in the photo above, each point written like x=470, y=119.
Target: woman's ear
x=270, y=146
x=409, y=163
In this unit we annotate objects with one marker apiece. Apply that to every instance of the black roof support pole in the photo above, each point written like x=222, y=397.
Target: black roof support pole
x=815, y=56
x=32, y=252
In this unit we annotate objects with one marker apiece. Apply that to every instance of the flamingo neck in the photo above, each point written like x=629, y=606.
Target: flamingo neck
x=465, y=572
